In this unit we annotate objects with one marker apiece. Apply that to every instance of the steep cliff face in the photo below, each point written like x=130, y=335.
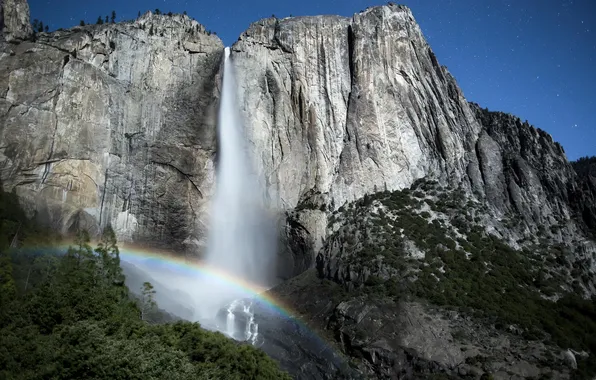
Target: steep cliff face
x=113, y=124
x=337, y=108
x=14, y=20
x=525, y=172
x=343, y=107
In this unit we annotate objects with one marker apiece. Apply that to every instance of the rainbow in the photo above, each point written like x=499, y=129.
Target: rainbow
x=195, y=268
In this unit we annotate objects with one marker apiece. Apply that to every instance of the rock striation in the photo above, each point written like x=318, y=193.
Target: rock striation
x=113, y=124
x=14, y=20
x=337, y=108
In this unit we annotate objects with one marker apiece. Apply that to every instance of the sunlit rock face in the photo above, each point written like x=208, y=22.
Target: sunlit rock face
x=338, y=107
x=114, y=124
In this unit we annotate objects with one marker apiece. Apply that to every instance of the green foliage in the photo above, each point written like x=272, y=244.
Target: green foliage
x=38, y=26
x=477, y=274
x=67, y=316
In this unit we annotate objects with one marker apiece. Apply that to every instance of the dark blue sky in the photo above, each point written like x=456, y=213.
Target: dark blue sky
x=532, y=58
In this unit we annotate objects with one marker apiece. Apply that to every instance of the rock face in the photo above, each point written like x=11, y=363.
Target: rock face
x=113, y=124
x=122, y=118
x=14, y=20
x=337, y=108
x=525, y=172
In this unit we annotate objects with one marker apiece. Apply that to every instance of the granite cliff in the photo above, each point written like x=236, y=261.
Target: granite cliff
x=337, y=108
x=14, y=20
x=122, y=125
x=113, y=124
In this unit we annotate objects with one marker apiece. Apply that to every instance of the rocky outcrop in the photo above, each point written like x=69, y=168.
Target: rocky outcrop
x=114, y=124
x=14, y=20
x=412, y=340
x=527, y=173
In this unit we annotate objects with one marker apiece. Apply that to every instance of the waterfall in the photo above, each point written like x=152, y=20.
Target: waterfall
x=241, y=235
x=238, y=241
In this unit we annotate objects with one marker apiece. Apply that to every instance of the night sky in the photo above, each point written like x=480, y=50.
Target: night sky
x=533, y=58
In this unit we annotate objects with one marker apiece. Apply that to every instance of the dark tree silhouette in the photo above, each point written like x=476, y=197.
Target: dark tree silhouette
x=113, y=19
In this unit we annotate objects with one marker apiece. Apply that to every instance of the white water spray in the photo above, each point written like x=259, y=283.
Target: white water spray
x=241, y=240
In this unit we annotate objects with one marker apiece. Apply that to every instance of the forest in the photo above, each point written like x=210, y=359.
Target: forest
x=66, y=313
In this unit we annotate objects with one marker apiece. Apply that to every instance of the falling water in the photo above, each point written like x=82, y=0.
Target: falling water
x=241, y=239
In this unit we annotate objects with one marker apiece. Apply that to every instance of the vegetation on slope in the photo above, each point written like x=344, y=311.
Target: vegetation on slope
x=70, y=316
x=427, y=243
x=585, y=166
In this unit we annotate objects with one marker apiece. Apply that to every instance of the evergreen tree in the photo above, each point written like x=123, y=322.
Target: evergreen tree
x=113, y=19
x=7, y=285
x=47, y=29
x=139, y=14
x=99, y=20
x=147, y=301
x=107, y=19
x=109, y=255
x=82, y=23
x=157, y=11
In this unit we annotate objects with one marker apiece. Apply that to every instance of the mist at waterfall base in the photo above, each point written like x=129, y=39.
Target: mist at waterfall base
x=241, y=241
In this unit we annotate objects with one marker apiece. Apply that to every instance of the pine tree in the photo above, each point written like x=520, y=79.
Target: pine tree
x=148, y=303
x=8, y=289
x=113, y=19
x=82, y=23
x=99, y=20
x=157, y=11
x=107, y=19
x=109, y=255
x=139, y=14
x=47, y=29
